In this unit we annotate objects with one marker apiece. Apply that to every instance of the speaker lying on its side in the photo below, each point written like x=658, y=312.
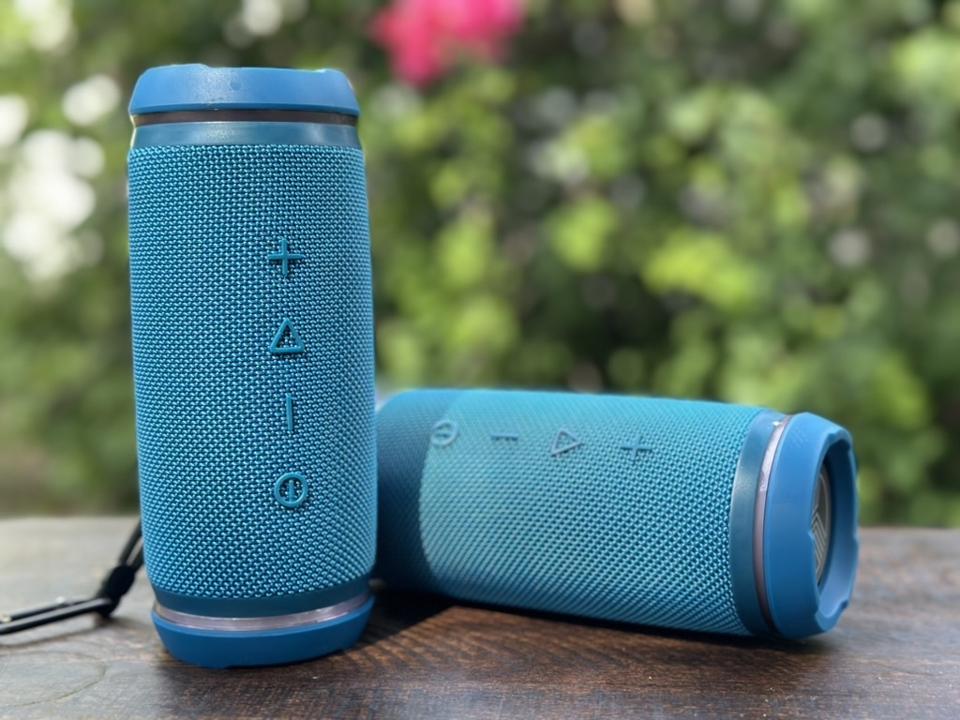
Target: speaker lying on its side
x=682, y=514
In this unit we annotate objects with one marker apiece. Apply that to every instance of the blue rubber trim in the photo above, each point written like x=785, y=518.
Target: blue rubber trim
x=173, y=88
x=742, y=512
x=245, y=133
x=218, y=649
x=262, y=607
x=798, y=606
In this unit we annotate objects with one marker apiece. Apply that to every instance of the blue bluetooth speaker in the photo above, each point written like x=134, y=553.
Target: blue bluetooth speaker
x=682, y=514
x=253, y=361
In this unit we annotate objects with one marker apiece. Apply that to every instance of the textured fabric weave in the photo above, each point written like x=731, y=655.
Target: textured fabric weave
x=606, y=507
x=212, y=430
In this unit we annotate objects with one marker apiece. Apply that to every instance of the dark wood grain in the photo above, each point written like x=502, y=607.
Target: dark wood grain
x=896, y=653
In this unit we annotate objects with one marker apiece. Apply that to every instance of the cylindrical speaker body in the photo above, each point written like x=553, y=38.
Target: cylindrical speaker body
x=681, y=514
x=253, y=361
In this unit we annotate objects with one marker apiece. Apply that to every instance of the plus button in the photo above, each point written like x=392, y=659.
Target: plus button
x=285, y=257
x=637, y=447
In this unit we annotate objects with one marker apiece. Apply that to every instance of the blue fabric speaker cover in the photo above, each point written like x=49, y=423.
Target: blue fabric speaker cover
x=254, y=374
x=607, y=507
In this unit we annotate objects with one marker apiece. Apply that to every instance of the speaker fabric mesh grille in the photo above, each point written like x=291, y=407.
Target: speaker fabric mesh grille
x=211, y=407
x=606, y=507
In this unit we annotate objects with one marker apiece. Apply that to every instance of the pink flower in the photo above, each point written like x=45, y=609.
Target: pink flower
x=424, y=37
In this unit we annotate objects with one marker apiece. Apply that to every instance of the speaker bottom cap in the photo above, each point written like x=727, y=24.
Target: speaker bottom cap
x=217, y=647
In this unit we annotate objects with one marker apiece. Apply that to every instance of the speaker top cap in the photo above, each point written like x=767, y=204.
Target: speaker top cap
x=179, y=88
x=810, y=545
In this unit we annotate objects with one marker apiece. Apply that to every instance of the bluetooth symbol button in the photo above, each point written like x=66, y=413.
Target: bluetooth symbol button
x=290, y=490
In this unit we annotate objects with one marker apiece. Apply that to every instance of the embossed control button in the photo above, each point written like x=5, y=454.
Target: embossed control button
x=637, y=447
x=288, y=412
x=285, y=257
x=444, y=433
x=290, y=490
x=287, y=340
x=564, y=442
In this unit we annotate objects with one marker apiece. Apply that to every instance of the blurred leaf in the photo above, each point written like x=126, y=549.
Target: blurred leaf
x=580, y=232
x=703, y=264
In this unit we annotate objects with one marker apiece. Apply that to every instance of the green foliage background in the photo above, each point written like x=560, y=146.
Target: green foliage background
x=744, y=200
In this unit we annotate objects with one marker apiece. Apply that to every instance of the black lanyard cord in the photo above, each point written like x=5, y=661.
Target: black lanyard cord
x=114, y=586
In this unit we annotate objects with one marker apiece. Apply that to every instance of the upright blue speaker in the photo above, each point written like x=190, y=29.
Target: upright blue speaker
x=682, y=514
x=253, y=361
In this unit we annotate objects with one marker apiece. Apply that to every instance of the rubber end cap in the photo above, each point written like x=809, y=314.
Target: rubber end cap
x=219, y=649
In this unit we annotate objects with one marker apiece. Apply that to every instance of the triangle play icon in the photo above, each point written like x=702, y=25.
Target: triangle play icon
x=287, y=340
x=565, y=441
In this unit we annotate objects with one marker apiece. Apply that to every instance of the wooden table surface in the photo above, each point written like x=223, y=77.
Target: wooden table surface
x=895, y=654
